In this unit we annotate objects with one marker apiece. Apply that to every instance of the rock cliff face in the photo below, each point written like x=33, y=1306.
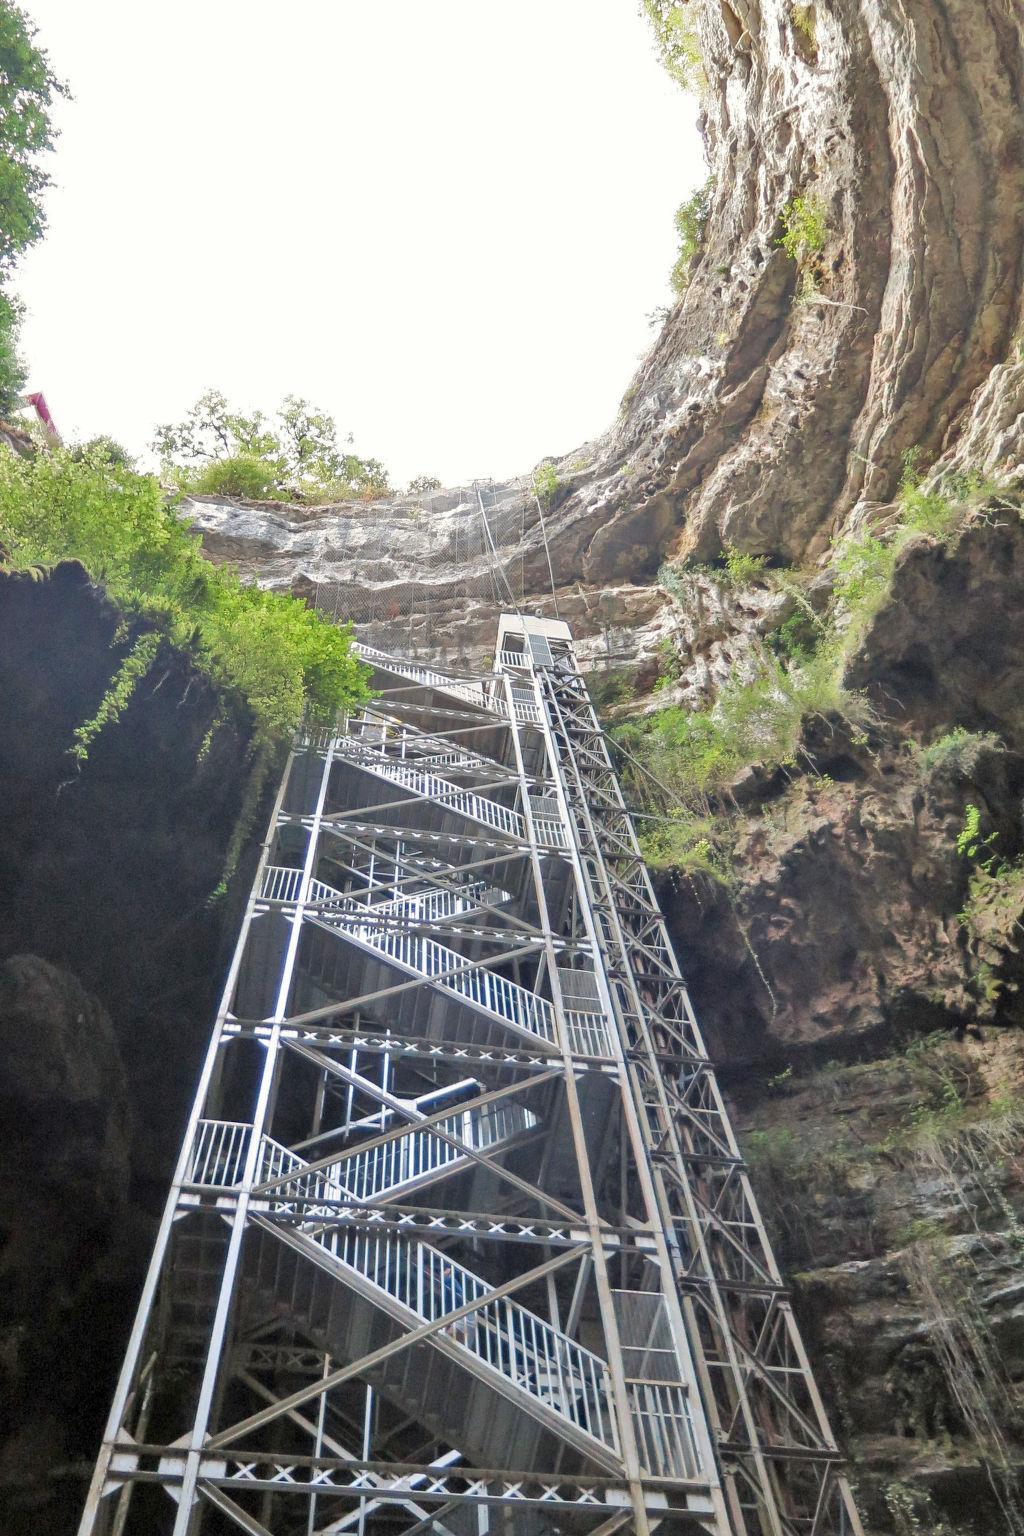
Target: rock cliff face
x=767, y=416
x=861, y=988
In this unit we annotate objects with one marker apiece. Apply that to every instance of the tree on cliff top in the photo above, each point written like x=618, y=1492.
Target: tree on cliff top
x=219, y=451
x=28, y=87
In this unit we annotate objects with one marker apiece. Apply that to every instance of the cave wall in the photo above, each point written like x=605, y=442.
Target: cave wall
x=111, y=959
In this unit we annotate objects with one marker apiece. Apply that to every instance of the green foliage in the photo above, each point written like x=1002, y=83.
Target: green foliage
x=735, y=570
x=122, y=685
x=759, y=714
x=741, y=570
x=239, y=475
x=758, y=719
x=669, y=669
x=805, y=22
x=995, y=902
x=691, y=222
x=780, y=1079
x=677, y=41
x=277, y=653
x=12, y=369
x=102, y=447
x=957, y=752
x=28, y=88
x=865, y=564
x=969, y=838
x=804, y=233
x=774, y=1148
x=296, y=453
x=692, y=845
x=611, y=687
x=546, y=483
x=796, y=638
x=422, y=484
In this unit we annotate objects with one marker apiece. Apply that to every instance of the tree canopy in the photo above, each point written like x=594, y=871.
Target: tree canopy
x=296, y=452
x=28, y=87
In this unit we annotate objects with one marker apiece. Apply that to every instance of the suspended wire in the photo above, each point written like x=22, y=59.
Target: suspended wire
x=547, y=550
x=498, y=565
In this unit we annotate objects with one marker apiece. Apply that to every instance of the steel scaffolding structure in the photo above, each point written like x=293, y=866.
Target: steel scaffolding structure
x=460, y=1240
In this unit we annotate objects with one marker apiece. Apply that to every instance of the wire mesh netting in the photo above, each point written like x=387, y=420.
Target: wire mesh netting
x=428, y=575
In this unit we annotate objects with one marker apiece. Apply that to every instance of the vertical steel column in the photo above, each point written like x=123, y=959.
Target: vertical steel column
x=601, y=821
x=116, y=1435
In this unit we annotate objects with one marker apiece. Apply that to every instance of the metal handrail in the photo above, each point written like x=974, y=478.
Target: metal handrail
x=485, y=989
x=389, y=1166
x=219, y=1152
x=563, y=1375
x=475, y=693
x=462, y=801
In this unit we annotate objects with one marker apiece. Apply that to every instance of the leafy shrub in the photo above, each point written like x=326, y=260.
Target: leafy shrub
x=697, y=753
x=804, y=228
x=669, y=669
x=422, y=484
x=281, y=656
x=957, y=752
x=741, y=569
x=796, y=638
x=693, y=845
x=677, y=41
x=865, y=563
x=102, y=447
x=239, y=475
x=691, y=223
x=736, y=570
x=546, y=483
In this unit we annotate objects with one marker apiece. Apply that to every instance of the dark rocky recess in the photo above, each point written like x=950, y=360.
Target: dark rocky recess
x=110, y=963
x=873, y=1050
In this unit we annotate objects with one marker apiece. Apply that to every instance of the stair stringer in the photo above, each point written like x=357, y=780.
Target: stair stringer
x=595, y=1456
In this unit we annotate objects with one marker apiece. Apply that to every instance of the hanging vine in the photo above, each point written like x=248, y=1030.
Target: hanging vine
x=122, y=685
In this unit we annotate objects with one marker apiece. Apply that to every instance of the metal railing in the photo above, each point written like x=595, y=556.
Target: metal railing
x=513, y=1341
x=442, y=791
x=475, y=693
x=485, y=989
x=283, y=882
x=514, y=659
x=390, y=1166
x=219, y=1152
x=280, y=883
x=588, y=1033
x=524, y=702
x=355, y=919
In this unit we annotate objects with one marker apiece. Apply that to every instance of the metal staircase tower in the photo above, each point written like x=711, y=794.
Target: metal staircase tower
x=460, y=1241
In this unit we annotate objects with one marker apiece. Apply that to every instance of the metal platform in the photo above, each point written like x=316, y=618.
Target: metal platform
x=460, y=1240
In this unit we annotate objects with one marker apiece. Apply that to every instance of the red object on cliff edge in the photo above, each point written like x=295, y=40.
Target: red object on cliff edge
x=42, y=410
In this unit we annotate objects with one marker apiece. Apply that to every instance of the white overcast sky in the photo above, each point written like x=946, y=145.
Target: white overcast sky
x=443, y=221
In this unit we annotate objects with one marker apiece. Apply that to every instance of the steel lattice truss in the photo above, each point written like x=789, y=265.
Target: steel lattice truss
x=460, y=1240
